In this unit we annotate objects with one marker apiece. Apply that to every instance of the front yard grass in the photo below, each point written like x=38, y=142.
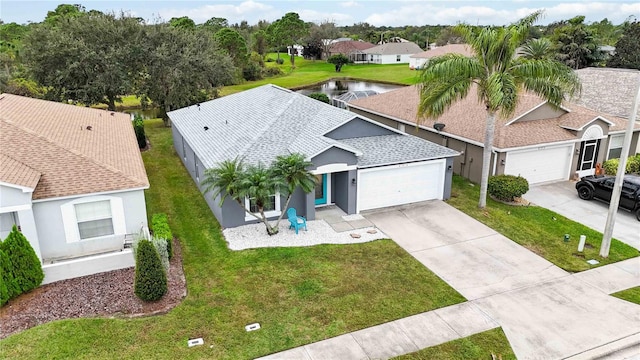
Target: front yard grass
x=538, y=229
x=631, y=295
x=298, y=295
x=477, y=346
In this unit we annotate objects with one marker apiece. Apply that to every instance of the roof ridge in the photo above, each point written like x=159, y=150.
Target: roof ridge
x=72, y=151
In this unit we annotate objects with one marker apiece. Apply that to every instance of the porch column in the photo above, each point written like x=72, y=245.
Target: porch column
x=310, y=205
x=28, y=229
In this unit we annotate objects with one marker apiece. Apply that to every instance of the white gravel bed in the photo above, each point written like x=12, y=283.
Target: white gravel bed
x=318, y=232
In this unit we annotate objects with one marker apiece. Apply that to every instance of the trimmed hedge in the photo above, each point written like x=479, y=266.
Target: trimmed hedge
x=610, y=166
x=320, y=97
x=26, y=268
x=8, y=285
x=151, y=279
x=507, y=187
x=138, y=127
x=161, y=230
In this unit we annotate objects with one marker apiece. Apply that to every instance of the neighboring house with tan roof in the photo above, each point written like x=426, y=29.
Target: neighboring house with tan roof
x=419, y=60
x=538, y=142
x=392, y=53
x=352, y=49
x=72, y=179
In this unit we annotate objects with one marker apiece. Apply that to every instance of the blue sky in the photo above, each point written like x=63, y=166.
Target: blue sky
x=390, y=13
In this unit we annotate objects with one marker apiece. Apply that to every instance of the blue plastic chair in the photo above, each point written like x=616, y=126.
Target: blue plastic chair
x=296, y=222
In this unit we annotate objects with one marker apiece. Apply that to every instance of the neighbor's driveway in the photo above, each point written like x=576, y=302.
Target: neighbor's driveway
x=562, y=198
x=545, y=312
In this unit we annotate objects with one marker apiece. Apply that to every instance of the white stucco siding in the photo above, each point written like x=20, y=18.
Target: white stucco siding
x=128, y=213
x=417, y=63
x=12, y=198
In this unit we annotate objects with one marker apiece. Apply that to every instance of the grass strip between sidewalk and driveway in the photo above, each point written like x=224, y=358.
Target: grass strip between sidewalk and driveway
x=477, y=346
x=538, y=229
x=631, y=295
x=298, y=295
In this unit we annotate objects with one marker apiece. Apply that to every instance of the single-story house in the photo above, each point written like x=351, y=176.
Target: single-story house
x=417, y=61
x=72, y=180
x=392, y=53
x=351, y=49
x=359, y=164
x=538, y=142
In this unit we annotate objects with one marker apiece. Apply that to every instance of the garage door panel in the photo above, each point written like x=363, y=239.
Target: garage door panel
x=400, y=184
x=540, y=165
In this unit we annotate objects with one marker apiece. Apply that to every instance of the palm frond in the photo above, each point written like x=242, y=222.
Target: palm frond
x=224, y=179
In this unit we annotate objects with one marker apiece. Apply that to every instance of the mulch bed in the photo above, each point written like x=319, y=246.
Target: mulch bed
x=108, y=294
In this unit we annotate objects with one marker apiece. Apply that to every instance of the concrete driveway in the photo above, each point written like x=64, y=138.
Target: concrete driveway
x=545, y=312
x=562, y=198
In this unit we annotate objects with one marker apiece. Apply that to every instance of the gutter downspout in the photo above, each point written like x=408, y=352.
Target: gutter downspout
x=495, y=161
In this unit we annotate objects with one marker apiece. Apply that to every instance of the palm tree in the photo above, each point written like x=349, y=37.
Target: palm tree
x=499, y=76
x=259, y=183
x=293, y=170
x=536, y=49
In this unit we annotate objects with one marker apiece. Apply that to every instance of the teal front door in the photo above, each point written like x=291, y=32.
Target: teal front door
x=321, y=189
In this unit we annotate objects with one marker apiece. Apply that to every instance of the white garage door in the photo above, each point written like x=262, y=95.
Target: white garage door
x=400, y=184
x=541, y=164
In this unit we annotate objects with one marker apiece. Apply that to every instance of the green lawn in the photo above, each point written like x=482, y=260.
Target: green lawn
x=298, y=295
x=308, y=72
x=538, y=229
x=631, y=295
x=478, y=346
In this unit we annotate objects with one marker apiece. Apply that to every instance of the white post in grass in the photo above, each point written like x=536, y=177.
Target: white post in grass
x=617, y=187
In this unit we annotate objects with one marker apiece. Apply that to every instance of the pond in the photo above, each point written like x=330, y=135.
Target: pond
x=334, y=88
x=150, y=113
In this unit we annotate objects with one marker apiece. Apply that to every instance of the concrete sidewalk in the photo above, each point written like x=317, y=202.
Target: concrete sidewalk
x=545, y=312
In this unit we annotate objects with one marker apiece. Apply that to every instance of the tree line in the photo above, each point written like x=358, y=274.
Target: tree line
x=91, y=57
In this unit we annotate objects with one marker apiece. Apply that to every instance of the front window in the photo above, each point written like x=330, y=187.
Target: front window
x=615, y=147
x=94, y=219
x=268, y=206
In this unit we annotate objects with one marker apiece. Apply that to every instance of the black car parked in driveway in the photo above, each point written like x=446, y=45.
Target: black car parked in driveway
x=601, y=187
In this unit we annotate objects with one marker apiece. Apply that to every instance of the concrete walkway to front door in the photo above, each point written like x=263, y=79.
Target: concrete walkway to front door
x=339, y=220
x=545, y=312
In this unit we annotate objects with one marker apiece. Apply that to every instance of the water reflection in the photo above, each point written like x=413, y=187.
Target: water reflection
x=334, y=88
x=150, y=113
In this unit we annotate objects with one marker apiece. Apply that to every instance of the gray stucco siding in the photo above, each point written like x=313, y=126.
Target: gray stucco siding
x=10, y=196
x=51, y=232
x=334, y=155
x=344, y=191
x=358, y=128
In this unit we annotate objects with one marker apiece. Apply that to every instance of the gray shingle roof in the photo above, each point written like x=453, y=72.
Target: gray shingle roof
x=393, y=149
x=267, y=121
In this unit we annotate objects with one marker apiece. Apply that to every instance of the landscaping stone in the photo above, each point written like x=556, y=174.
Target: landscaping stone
x=355, y=236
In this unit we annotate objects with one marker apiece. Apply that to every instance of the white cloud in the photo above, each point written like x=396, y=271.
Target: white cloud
x=251, y=11
x=319, y=16
x=350, y=4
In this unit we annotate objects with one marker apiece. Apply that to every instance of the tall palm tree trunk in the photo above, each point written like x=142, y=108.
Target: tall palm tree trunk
x=486, y=157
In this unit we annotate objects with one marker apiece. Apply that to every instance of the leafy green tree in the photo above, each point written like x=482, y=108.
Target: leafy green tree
x=627, y=48
x=234, y=44
x=64, y=12
x=26, y=268
x=575, y=45
x=8, y=287
x=138, y=127
x=288, y=30
x=182, y=68
x=184, y=23
x=339, y=60
x=92, y=59
x=214, y=24
x=605, y=32
x=259, y=42
x=497, y=74
x=150, y=279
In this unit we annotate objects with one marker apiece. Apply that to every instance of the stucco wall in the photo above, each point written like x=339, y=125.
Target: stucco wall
x=50, y=226
x=344, y=195
x=334, y=156
x=545, y=111
x=10, y=196
x=358, y=128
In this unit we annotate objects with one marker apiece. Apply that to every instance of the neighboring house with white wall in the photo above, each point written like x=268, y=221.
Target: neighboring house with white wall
x=391, y=53
x=419, y=60
x=72, y=180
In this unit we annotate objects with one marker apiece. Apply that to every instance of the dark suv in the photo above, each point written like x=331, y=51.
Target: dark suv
x=601, y=186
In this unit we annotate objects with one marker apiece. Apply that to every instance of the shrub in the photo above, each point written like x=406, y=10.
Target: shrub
x=270, y=59
x=633, y=165
x=26, y=268
x=507, y=187
x=150, y=279
x=138, y=126
x=161, y=230
x=279, y=61
x=8, y=286
x=271, y=71
x=252, y=71
x=320, y=97
x=163, y=251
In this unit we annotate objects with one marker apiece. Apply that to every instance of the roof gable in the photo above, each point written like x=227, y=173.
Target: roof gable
x=77, y=150
x=358, y=127
x=462, y=49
